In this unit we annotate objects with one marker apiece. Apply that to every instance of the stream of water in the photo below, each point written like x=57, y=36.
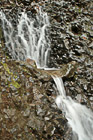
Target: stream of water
x=79, y=117
x=30, y=41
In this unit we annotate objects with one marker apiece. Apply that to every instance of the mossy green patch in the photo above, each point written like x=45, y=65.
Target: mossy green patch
x=78, y=9
x=13, y=77
x=15, y=84
x=7, y=68
x=1, y=73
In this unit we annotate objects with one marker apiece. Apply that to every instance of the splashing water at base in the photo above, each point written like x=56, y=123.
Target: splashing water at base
x=79, y=117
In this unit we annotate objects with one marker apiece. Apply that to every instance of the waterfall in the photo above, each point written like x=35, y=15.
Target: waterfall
x=79, y=117
x=28, y=39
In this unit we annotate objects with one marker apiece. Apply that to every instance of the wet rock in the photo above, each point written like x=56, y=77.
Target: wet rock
x=9, y=112
x=26, y=113
x=40, y=111
x=76, y=28
x=29, y=112
x=35, y=123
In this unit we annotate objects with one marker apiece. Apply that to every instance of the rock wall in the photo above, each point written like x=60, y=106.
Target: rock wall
x=27, y=98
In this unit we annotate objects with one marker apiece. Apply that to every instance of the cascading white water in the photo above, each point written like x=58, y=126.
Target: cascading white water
x=28, y=39
x=79, y=117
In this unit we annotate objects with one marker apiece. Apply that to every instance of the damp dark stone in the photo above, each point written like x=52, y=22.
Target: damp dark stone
x=76, y=29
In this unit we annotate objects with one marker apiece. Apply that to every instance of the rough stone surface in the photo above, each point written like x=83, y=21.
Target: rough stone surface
x=27, y=99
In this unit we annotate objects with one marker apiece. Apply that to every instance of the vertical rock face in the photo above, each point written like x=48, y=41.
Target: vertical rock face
x=27, y=98
x=69, y=35
x=71, y=39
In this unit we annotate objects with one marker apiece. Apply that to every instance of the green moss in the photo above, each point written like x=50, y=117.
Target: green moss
x=15, y=76
x=78, y=9
x=75, y=76
x=25, y=70
x=7, y=69
x=15, y=84
x=1, y=73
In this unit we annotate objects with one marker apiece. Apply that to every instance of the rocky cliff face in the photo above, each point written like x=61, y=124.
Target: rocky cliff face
x=27, y=98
